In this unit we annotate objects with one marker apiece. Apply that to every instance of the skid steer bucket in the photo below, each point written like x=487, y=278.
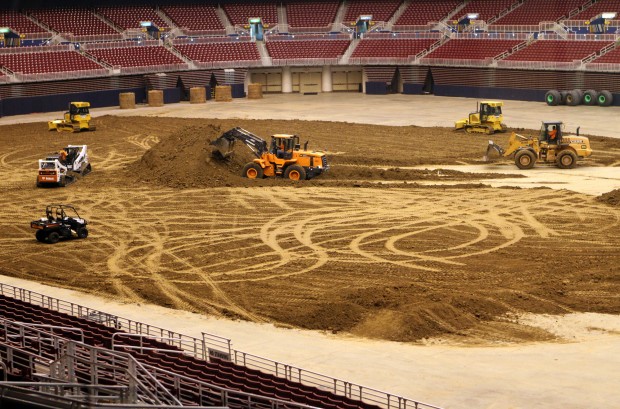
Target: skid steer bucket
x=492, y=147
x=224, y=146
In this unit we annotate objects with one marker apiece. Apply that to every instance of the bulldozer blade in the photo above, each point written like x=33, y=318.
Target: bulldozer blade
x=490, y=148
x=223, y=146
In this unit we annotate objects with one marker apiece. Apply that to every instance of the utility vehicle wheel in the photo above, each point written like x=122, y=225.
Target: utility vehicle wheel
x=53, y=238
x=605, y=98
x=566, y=159
x=589, y=97
x=295, y=172
x=525, y=159
x=553, y=97
x=82, y=233
x=40, y=235
x=252, y=171
x=563, y=95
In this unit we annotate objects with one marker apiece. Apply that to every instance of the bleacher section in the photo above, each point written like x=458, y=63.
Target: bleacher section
x=486, y=9
x=79, y=22
x=381, y=10
x=131, y=16
x=301, y=49
x=239, y=13
x=472, y=48
x=164, y=361
x=611, y=57
x=47, y=62
x=194, y=17
x=311, y=14
x=19, y=23
x=601, y=6
x=421, y=12
x=391, y=48
x=220, y=51
x=136, y=56
x=532, y=12
x=557, y=50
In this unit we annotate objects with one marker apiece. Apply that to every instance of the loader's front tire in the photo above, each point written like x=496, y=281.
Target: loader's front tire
x=53, y=238
x=525, y=159
x=252, y=171
x=605, y=98
x=295, y=172
x=566, y=159
x=40, y=235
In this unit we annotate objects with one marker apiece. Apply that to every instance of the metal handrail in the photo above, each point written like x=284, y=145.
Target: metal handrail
x=380, y=398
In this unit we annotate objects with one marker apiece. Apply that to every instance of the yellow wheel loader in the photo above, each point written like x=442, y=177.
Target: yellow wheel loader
x=76, y=119
x=487, y=119
x=551, y=146
x=283, y=157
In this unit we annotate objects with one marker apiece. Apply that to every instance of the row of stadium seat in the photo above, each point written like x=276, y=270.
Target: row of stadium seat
x=142, y=56
x=317, y=13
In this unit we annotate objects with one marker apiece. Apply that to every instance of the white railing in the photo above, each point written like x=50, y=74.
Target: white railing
x=491, y=36
x=227, y=64
x=37, y=49
x=37, y=36
x=414, y=28
x=456, y=62
x=154, y=68
x=307, y=36
x=199, y=348
x=324, y=29
x=304, y=61
x=540, y=65
x=209, y=40
x=56, y=76
x=599, y=66
x=407, y=35
x=120, y=44
x=191, y=32
x=512, y=28
x=88, y=38
x=380, y=60
x=4, y=79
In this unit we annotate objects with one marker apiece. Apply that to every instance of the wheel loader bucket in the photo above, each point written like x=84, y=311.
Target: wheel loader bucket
x=492, y=147
x=223, y=146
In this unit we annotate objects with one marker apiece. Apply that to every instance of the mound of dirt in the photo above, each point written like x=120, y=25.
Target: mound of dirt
x=611, y=198
x=185, y=159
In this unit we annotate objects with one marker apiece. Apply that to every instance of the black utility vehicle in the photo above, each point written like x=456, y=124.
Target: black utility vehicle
x=60, y=222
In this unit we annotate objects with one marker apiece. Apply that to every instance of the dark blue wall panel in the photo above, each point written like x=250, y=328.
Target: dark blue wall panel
x=237, y=90
x=49, y=103
x=376, y=88
x=412, y=89
x=172, y=95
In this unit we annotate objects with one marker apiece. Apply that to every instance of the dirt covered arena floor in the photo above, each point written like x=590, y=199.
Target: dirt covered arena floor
x=386, y=245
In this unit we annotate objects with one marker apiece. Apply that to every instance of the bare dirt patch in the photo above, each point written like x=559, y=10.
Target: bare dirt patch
x=343, y=253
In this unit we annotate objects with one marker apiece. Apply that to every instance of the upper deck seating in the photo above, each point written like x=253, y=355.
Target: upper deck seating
x=194, y=17
x=45, y=62
x=130, y=16
x=291, y=49
x=19, y=23
x=472, y=49
x=239, y=13
x=317, y=13
x=486, y=9
x=421, y=12
x=532, y=12
x=136, y=56
x=557, y=50
x=601, y=6
x=611, y=57
x=224, y=51
x=395, y=48
x=78, y=21
x=381, y=10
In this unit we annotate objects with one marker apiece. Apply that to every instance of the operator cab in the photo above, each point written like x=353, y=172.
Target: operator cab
x=283, y=145
x=547, y=132
x=79, y=108
x=490, y=108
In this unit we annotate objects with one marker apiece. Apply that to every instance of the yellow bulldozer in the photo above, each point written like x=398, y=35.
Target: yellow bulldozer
x=283, y=157
x=551, y=146
x=487, y=119
x=76, y=119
